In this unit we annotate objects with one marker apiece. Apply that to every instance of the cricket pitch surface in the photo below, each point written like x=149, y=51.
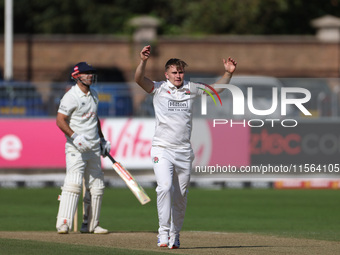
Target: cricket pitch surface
x=191, y=242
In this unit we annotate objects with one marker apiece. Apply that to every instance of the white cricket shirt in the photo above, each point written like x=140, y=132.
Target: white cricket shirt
x=173, y=110
x=82, y=111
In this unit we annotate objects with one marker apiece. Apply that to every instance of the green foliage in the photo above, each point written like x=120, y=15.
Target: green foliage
x=204, y=16
x=177, y=17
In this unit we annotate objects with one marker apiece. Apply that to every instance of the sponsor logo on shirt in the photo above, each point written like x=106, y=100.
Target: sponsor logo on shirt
x=176, y=104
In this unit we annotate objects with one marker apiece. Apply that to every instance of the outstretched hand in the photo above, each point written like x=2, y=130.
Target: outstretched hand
x=145, y=53
x=229, y=65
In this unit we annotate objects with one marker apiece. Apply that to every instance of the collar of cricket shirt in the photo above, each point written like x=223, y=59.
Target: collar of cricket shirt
x=173, y=87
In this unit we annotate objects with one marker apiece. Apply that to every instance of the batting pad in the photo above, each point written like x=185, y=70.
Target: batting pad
x=96, y=203
x=68, y=205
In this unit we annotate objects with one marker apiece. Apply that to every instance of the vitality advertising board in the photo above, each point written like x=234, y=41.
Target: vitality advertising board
x=38, y=143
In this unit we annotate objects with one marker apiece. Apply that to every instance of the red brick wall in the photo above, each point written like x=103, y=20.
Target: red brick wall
x=44, y=58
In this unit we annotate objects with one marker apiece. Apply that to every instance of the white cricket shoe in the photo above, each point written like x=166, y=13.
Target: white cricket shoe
x=174, y=242
x=163, y=241
x=84, y=228
x=100, y=230
x=63, y=229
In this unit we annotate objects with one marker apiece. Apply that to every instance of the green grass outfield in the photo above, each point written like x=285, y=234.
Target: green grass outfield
x=313, y=214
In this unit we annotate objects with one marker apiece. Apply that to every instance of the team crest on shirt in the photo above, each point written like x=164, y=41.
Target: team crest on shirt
x=188, y=92
x=155, y=160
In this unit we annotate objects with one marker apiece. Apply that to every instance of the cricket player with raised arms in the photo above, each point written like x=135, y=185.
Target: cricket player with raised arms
x=77, y=118
x=171, y=151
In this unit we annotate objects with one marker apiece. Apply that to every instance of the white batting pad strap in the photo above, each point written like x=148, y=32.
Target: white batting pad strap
x=96, y=202
x=97, y=191
x=67, y=207
x=72, y=187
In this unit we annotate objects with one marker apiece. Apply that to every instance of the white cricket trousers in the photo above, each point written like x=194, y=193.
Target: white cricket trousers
x=85, y=165
x=172, y=169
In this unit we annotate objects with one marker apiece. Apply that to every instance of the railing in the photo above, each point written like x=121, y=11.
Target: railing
x=23, y=99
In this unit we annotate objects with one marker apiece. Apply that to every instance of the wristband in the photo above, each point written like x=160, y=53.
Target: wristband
x=73, y=136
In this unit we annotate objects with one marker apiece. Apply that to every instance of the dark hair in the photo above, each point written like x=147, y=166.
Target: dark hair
x=175, y=62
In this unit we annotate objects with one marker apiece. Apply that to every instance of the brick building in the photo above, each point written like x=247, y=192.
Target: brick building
x=45, y=58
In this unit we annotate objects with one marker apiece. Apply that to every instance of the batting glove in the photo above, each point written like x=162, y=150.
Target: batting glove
x=105, y=147
x=81, y=143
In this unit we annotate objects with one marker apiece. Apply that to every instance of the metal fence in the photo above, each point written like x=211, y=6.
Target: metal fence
x=19, y=99
x=26, y=99
x=23, y=99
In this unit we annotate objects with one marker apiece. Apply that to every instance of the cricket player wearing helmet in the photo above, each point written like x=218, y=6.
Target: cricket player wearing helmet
x=171, y=150
x=77, y=118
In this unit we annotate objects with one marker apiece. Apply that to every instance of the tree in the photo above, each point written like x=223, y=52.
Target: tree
x=178, y=17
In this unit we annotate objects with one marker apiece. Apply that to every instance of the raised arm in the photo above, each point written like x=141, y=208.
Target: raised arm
x=140, y=78
x=229, y=67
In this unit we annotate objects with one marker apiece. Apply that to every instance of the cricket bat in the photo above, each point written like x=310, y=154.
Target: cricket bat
x=130, y=181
